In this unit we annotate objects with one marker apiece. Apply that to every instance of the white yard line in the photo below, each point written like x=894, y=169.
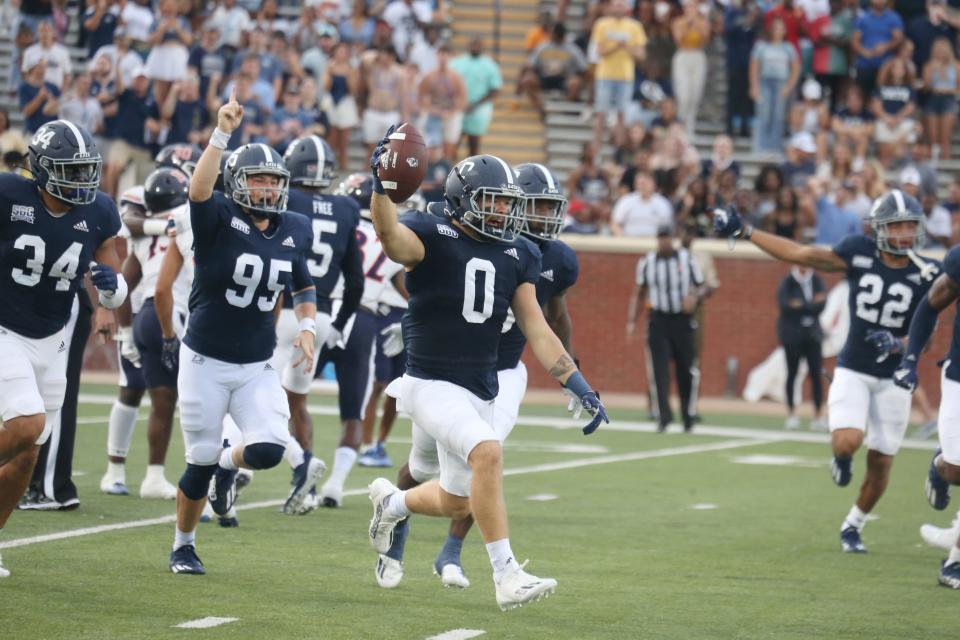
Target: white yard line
x=539, y=468
x=458, y=634
x=204, y=623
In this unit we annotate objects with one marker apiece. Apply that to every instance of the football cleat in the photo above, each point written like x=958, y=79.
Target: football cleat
x=382, y=524
x=850, y=541
x=244, y=478
x=310, y=502
x=157, y=488
x=33, y=500
x=223, y=491
x=185, y=560
x=305, y=478
x=950, y=575
x=331, y=494
x=376, y=456
x=518, y=588
x=389, y=572
x=451, y=575
x=938, y=491
x=942, y=538
x=4, y=572
x=113, y=485
x=229, y=520
x=818, y=424
x=792, y=423
x=842, y=470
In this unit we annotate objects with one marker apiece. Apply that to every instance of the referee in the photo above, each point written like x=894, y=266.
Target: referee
x=673, y=284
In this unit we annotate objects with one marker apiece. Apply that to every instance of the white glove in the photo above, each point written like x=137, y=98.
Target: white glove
x=127, y=347
x=392, y=340
x=334, y=338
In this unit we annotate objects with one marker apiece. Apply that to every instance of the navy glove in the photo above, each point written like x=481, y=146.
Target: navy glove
x=591, y=402
x=104, y=278
x=375, y=158
x=906, y=374
x=728, y=224
x=884, y=342
x=170, y=356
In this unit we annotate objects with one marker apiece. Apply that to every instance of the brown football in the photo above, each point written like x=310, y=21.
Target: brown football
x=403, y=164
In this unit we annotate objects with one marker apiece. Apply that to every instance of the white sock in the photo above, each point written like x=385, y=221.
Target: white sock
x=367, y=446
x=155, y=473
x=398, y=505
x=954, y=555
x=501, y=558
x=117, y=471
x=855, y=518
x=120, y=430
x=226, y=460
x=294, y=453
x=343, y=460
x=181, y=538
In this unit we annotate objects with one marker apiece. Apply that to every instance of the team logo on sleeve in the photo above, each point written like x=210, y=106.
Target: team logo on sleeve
x=21, y=213
x=547, y=275
x=240, y=225
x=444, y=230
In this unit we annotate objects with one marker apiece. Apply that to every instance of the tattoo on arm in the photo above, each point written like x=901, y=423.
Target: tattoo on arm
x=563, y=365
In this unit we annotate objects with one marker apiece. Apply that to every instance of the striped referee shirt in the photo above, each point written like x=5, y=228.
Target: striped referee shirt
x=668, y=279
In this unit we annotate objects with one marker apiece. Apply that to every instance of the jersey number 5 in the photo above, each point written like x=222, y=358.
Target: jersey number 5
x=248, y=273
x=321, y=249
x=894, y=311
x=475, y=267
x=64, y=269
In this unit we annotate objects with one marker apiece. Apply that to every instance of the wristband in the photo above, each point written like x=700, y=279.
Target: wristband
x=577, y=385
x=113, y=299
x=219, y=139
x=308, y=324
x=124, y=334
x=155, y=227
x=747, y=231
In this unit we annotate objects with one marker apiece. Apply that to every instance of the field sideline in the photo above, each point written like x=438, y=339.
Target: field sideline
x=732, y=532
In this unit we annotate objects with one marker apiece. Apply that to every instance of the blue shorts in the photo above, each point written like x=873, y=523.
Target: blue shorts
x=386, y=369
x=613, y=96
x=148, y=337
x=353, y=365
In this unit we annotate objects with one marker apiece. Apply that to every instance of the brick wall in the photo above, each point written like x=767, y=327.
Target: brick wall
x=740, y=317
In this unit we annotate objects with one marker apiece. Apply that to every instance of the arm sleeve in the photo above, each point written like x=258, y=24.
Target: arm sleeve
x=352, y=269
x=921, y=328
x=531, y=266
x=205, y=217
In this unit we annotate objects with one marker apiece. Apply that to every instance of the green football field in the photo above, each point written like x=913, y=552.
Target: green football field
x=731, y=532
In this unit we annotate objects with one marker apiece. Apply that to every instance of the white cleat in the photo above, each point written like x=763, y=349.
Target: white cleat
x=941, y=538
x=113, y=485
x=310, y=503
x=452, y=576
x=4, y=572
x=382, y=524
x=331, y=495
x=518, y=588
x=389, y=572
x=792, y=423
x=819, y=424
x=305, y=479
x=157, y=489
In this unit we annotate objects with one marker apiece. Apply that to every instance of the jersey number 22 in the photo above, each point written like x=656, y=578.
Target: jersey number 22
x=894, y=311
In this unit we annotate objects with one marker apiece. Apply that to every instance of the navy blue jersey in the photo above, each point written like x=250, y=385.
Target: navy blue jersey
x=558, y=272
x=459, y=298
x=334, y=222
x=881, y=297
x=951, y=266
x=43, y=256
x=239, y=273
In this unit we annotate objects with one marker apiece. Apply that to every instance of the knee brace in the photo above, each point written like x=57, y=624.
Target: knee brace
x=195, y=481
x=263, y=455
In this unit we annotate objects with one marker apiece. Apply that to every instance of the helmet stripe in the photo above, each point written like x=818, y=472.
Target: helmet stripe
x=81, y=145
x=321, y=156
x=267, y=156
x=546, y=175
x=901, y=203
x=506, y=169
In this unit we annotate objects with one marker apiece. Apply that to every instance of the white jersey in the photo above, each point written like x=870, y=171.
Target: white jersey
x=392, y=297
x=134, y=195
x=149, y=251
x=378, y=269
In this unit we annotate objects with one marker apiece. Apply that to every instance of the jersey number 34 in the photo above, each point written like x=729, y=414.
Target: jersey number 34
x=893, y=313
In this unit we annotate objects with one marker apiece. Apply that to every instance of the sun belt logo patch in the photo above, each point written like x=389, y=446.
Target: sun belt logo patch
x=240, y=225
x=444, y=230
x=21, y=213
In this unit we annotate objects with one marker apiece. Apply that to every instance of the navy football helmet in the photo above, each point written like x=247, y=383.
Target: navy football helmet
x=311, y=162
x=481, y=192
x=65, y=162
x=894, y=207
x=358, y=186
x=256, y=160
x=546, y=205
x=180, y=156
x=165, y=189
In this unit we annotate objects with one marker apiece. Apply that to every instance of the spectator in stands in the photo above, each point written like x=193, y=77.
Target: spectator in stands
x=619, y=41
x=137, y=18
x=802, y=297
x=940, y=112
x=262, y=88
x=22, y=41
x=834, y=220
x=99, y=21
x=853, y=123
x=305, y=33
x=315, y=59
x=442, y=99
x=831, y=34
x=232, y=22
x=674, y=162
x=919, y=155
x=641, y=212
x=741, y=24
x=691, y=33
x=255, y=114
x=384, y=90
x=103, y=87
x=33, y=12
x=784, y=217
x=39, y=102
x=811, y=115
x=767, y=188
x=270, y=69
x=540, y=34
x=876, y=35
x=721, y=159
x=937, y=223
x=137, y=128
x=553, y=66
x=925, y=29
x=411, y=92
x=774, y=69
x=169, y=38
x=425, y=50
x=590, y=184
x=656, y=19
x=838, y=168
x=666, y=118
x=801, y=160
x=358, y=28
x=694, y=213
x=636, y=140
x=580, y=220
x=952, y=203
x=406, y=18
x=269, y=20
x=58, y=64
x=481, y=76
x=81, y=108
x=208, y=60
x=310, y=103
x=432, y=187
x=893, y=108
x=793, y=18
x=342, y=82
x=186, y=112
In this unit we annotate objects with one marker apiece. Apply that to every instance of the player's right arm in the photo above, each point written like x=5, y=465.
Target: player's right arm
x=208, y=167
x=399, y=242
